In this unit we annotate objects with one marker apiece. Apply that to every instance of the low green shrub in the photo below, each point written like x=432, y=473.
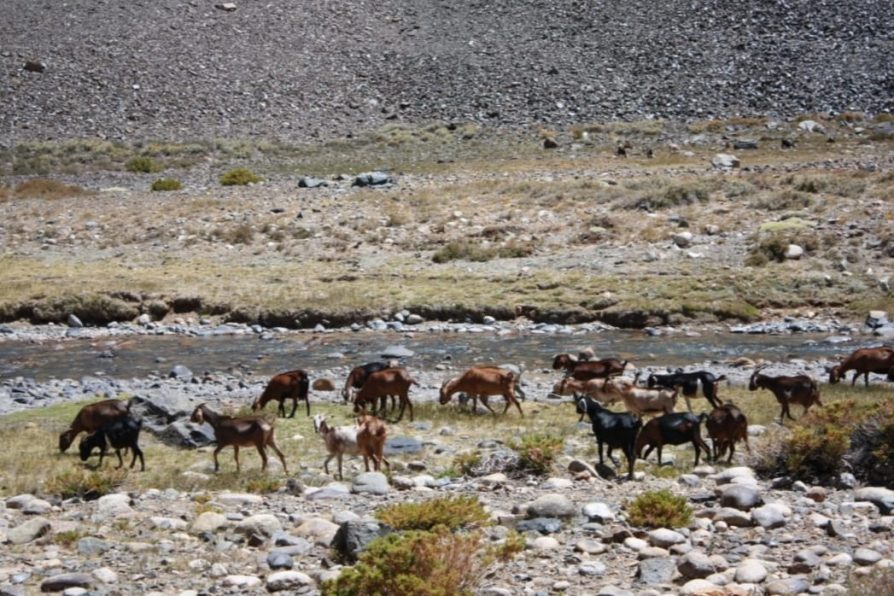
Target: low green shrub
x=143, y=165
x=451, y=512
x=659, y=509
x=464, y=462
x=67, y=537
x=439, y=563
x=773, y=246
x=463, y=250
x=664, y=195
x=239, y=177
x=537, y=452
x=84, y=484
x=166, y=184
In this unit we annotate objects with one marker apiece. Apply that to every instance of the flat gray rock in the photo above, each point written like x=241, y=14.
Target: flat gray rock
x=374, y=483
x=881, y=497
x=28, y=531
x=551, y=505
x=63, y=581
x=656, y=570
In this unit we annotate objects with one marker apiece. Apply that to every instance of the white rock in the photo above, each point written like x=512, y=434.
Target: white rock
x=725, y=161
x=208, y=521
x=751, y=571
x=811, y=126
x=663, y=537
x=239, y=499
x=287, y=580
x=793, y=251
x=105, y=575
x=242, y=581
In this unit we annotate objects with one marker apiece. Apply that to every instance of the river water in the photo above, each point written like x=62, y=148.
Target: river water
x=140, y=355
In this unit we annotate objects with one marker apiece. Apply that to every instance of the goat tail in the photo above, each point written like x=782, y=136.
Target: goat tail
x=721, y=378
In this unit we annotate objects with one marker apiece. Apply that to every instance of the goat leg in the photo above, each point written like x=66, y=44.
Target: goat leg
x=216, y=451
x=486, y=405
x=279, y=454
x=236, y=456
x=120, y=461
x=294, y=407
x=263, y=453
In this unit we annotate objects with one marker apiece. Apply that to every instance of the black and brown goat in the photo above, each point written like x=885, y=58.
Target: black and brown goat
x=122, y=432
x=357, y=377
x=292, y=385
x=864, y=361
x=91, y=417
x=241, y=431
x=726, y=426
x=798, y=389
x=382, y=383
x=672, y=429
x=688, y=382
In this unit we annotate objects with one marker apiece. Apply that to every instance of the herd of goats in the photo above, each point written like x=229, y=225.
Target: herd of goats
x=594, y=384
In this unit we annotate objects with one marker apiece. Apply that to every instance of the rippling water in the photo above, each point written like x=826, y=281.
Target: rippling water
x=137, y=356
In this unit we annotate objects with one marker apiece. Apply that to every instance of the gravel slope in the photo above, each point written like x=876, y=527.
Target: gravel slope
x=300, y=69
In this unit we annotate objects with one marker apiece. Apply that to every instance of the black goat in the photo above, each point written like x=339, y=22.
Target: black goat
x=615, y=430
x=121, y=433
x=672, y=429
x=689, y=382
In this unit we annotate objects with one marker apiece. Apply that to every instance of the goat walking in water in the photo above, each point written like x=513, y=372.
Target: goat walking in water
x=244, y=431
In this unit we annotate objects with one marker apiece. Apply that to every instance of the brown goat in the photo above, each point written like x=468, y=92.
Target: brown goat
x=92, y=417
x=292, y=385
x=584, y=370
x=482, y=382
x=726, y=426
x=381, y=383
x=371, y=441
x=864, y=361
x=799, y=389
x=242, y=431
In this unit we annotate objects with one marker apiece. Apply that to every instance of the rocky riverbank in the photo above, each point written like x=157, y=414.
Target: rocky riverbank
x=748, y=536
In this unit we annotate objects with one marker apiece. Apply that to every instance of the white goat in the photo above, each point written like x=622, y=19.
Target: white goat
x=340, y=440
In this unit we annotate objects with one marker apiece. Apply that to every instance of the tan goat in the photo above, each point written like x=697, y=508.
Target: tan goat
x=639, y=400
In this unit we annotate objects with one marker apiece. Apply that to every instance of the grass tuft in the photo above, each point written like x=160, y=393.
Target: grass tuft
x=451, y=512
x=239, y=177
x=166, y=184
x=659, y=509
x=143, y=165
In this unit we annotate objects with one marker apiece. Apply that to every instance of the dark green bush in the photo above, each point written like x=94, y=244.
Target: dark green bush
x=165, y=184
x=439, y=563
x=450, y=512
x=659, y=509
x=239, y=177
x=143, y=165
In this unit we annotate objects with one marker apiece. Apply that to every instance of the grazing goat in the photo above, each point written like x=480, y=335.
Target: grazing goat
x=640, y=400
x=241, y=431
x=379, y=384
x=91, y=417
x=122, y=433
x=584, y=370
x=367, y=438
x=288, y=385
x=799, y=389
x=482, y=382
x=611, y=429
x=672, y=429
x=594, y=388
x=726, y=425
x=357, y=377
x=371, y=441
x=864, y=361
x=688, y=383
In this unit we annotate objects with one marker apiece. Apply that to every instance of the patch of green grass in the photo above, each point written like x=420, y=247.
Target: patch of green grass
x=143, y=165
x=659, y=509
x=166, y=184
x=453, y=512
x=68, y=537
x=239, y=177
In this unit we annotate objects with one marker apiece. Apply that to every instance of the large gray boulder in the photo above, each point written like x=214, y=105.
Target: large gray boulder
x=881, y=497
x=374, y=483
x=353, y=537
x=28, y=531
x=551, y=505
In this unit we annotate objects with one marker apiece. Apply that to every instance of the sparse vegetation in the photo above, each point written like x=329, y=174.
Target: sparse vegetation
x=43, y=188
x=143, y=165
x=166, y=184
x=239, y=177
x=774, y=245
x=538, y=451
x=84, y=484
x=659, y=509
x=463, y=250
x=451, y=512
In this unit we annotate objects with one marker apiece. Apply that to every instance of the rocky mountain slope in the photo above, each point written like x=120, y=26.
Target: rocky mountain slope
x=180, y=69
